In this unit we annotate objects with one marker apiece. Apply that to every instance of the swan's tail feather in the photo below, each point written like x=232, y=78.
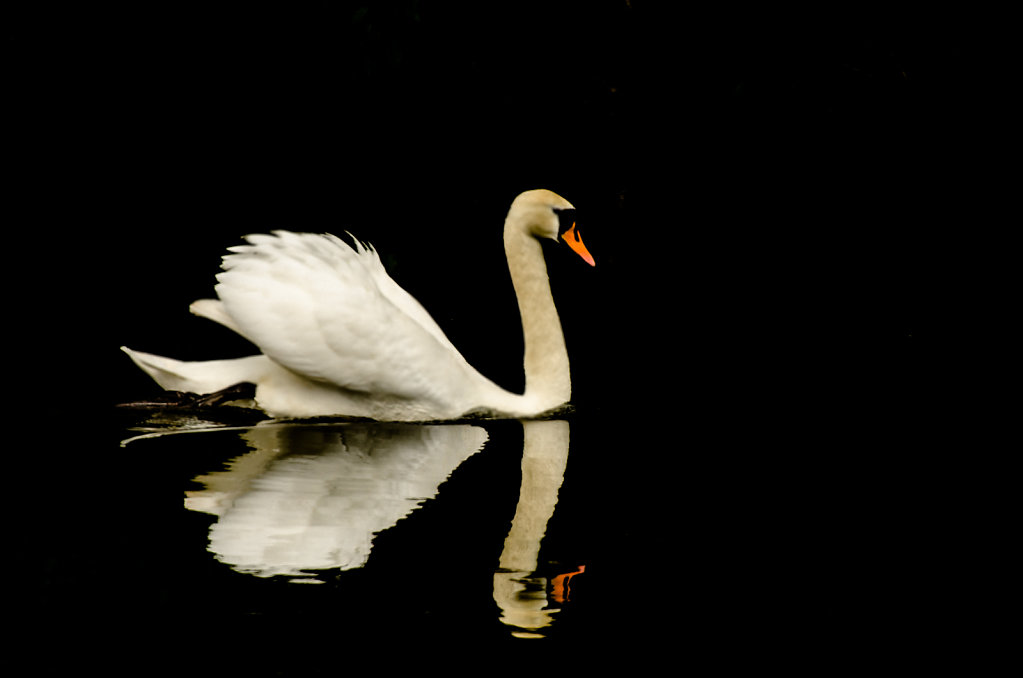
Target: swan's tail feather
x=207, y=376
x=213, y=309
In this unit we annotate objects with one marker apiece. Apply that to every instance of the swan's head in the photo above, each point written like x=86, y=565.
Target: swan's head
x=538, y=212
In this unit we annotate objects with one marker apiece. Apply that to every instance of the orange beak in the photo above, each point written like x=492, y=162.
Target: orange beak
x=572, y=239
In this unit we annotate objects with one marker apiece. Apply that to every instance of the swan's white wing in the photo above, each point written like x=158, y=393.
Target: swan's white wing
x=396, y=294
x=329, y=312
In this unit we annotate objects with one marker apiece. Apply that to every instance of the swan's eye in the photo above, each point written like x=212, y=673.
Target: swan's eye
x=566, y=218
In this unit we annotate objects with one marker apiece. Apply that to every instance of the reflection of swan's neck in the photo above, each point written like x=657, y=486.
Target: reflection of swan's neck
x=544, y=456
x=548, y=379
x=518, y=591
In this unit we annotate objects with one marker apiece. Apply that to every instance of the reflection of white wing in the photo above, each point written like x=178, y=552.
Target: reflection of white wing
x=312, y=498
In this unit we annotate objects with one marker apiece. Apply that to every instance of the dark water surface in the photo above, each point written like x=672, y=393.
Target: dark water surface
x=384, y=518
x=284, y=548
x=272, y=544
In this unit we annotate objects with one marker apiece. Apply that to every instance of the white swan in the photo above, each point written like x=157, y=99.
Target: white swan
x=339, y=337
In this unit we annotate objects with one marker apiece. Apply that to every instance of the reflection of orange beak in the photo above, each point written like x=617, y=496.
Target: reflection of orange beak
x=560, y=586
x=572, y=239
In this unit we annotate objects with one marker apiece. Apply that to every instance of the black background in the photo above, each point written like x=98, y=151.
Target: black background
x=763, y=190
x=778, y=201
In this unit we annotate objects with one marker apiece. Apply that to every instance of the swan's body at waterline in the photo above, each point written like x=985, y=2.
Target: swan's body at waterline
x=338, y=337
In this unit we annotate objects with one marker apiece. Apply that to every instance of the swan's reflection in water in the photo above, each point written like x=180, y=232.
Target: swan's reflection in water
x=309, y=498
x=521, y=596
x=312, y=497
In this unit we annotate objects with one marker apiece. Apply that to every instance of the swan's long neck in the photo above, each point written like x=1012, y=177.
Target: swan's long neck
x=548, y=378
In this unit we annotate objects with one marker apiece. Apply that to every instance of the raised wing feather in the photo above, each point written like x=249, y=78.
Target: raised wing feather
x=329, y=312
